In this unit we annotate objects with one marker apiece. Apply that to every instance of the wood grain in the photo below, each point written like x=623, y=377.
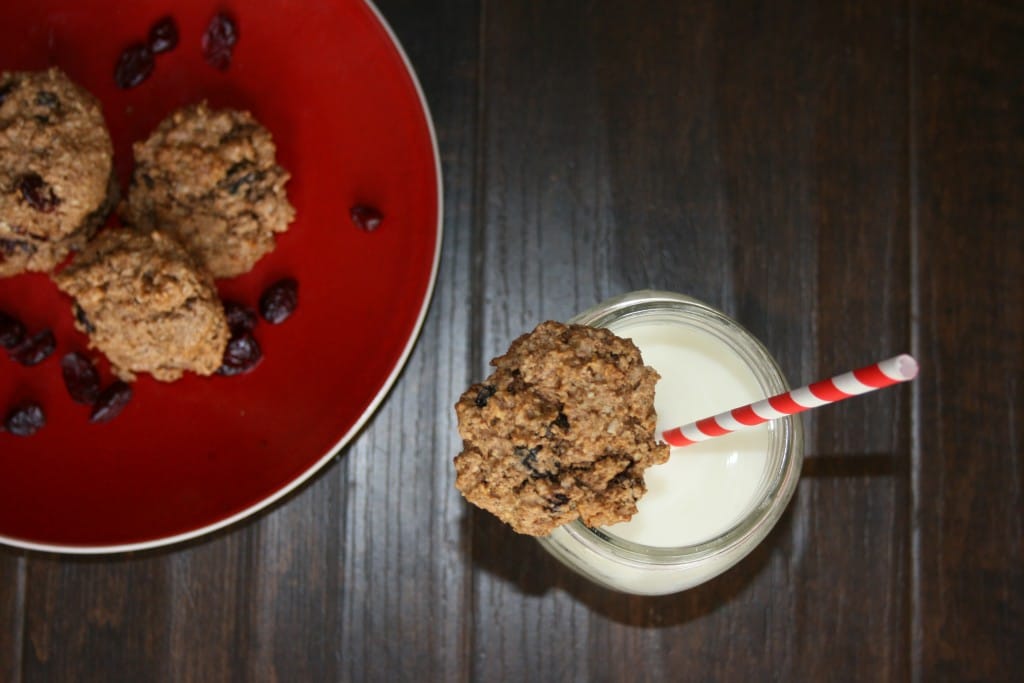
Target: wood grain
x=111, y=614
x=404, y=615
x=740, y=179
x=12, y=613
x=968, y=507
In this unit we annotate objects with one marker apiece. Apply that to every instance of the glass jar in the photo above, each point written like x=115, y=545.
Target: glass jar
x=617, y=563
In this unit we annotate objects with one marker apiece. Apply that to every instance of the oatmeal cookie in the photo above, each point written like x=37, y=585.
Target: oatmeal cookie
x=146, y=305
x=210, y=178
x=563, y=428
x=57, y=182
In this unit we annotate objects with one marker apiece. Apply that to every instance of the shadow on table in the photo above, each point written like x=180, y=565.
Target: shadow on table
x=521, y=561
x=854, y=465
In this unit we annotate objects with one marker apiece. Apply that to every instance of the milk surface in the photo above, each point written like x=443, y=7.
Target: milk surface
x=703, y=489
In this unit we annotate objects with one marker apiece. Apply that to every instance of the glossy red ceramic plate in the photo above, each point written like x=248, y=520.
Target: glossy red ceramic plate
x=329, y=80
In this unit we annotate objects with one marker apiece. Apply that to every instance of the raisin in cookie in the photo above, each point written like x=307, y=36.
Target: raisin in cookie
x=146, y=305
x=211, y=179
x=563, y=428
x=57, y=183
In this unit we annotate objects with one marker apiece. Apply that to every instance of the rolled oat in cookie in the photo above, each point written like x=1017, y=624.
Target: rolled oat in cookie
x=563, y=429
x=146, y=305
x=57, y=183
x=211, y=179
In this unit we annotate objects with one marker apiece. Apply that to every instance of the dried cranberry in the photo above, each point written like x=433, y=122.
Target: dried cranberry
x=239, y=175
x=134, y=66
x=279, y=301
x=37, y=193
x=80, y=377
x=45, y=98
x=9, y=247
x=111, y=402
x=484, y=395
x=35, y=349
x=241, y=355
x=528, y=456
x=11, y=331
x=219, y=41
x=83, y=320
x=25, y=419
x=366, y=217
x=556, y=502
x=163, y=36
x=240, y=318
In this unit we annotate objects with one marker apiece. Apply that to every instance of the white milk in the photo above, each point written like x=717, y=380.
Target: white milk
x=703, y=489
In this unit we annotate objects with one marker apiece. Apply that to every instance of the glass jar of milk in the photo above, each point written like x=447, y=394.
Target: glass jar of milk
x=712, y=502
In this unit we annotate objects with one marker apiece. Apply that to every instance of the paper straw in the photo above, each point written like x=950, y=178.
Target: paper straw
x=869, y=378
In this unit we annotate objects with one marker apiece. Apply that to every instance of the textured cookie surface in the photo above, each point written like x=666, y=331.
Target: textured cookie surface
x=563, y=429
x=56, y=172
x=144, y=303
x=210, y=178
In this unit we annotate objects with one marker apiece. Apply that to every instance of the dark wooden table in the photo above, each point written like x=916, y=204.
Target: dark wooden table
x=844, y=179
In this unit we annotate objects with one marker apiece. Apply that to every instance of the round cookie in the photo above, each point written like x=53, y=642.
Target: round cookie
x=211, y=179
x=57, y=182
x=563, y=428
x=146, y=305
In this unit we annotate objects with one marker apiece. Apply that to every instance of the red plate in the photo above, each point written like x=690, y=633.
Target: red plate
x=331, y=83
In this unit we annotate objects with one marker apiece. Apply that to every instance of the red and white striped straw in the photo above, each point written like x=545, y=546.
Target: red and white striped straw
x=878, y=376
